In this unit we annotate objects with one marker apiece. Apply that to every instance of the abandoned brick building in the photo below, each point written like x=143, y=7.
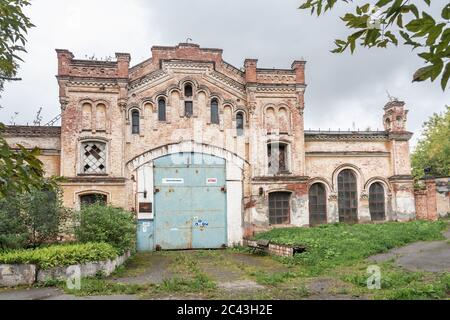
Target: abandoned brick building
x=206, y=153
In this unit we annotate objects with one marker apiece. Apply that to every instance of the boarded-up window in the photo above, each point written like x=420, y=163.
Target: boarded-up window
x=87, y=116
x=377, y=202
x=101, y=117
x=270, y=120
x=279, y=208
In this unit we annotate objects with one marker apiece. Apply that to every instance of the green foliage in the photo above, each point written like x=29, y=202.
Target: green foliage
x=329, y=246
x=14, y=26
x=21, y=170
x=398, y=284
x=31, y=219
x=387, y=21
x=100, y=223
x=433, y=149
x=60, y=255
x=97, y=287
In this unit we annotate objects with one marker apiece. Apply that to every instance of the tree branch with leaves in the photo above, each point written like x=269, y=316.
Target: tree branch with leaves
x=386, y=22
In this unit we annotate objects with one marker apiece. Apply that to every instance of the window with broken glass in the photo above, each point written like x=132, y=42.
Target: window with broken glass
x=94, y=158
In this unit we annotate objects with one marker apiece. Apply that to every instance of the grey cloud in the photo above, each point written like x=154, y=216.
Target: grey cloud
x=342, y=89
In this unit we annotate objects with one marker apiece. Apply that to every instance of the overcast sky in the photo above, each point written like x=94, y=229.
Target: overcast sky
x=342, y=89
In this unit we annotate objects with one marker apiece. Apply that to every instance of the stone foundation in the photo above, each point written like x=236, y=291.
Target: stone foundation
x=12, y=275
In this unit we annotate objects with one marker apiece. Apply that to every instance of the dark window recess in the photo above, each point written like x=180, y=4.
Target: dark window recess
x=135, y=122
x=162, y=110
x=347, y=197
x=214, y=111
x=377, y=202
x=188, y=92
x=279, y=208
x=188, y=109
x=317, y=204
x=93, y=198
x=277, y=155
x=240, y=124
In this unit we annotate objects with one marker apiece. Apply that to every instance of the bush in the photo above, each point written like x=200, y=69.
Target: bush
x=100, y=223
x=31, y=219
x=60, y=255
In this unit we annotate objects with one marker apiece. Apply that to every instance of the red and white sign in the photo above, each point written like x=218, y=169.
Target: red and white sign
x=211, y=181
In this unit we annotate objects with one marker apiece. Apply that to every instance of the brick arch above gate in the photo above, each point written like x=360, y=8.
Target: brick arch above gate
x=186, y=146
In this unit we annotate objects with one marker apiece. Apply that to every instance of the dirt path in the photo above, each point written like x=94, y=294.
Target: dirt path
x=433, y=256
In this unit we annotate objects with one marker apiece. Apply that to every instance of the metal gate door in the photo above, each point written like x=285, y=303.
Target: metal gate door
x=190, y=201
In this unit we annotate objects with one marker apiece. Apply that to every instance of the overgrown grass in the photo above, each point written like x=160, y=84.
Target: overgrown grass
x=60, y=255
x=399, y=284
x=340, y=244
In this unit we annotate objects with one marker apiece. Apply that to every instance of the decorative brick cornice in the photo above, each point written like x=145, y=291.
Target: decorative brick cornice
x=275, y=87
x=280, y=179
x=400, y=136
x=156, y=75
x=346, y=136
x=94, y=180
x=401, y=178
x=31, y=131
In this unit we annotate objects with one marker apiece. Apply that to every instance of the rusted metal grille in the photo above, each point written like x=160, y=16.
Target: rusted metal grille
x=317, y=204
x=279, y=208
x=377, y=202
x=347, y=197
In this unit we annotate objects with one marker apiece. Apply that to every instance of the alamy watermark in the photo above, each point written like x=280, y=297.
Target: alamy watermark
x=374, y=279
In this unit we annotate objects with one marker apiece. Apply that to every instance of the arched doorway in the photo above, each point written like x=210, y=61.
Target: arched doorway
x=377, y=203
x=190, y=201
x=347, y=197
x=317, y=204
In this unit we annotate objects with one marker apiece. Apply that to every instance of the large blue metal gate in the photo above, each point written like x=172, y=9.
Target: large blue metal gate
x=190, y=201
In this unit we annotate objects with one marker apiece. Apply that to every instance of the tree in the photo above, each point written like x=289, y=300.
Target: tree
x=20, y=169
x=386, y=21
x=433, y=149
x=33, y=218
x=14, y=26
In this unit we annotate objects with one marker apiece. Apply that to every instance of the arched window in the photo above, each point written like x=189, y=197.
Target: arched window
x=162, y=110
x=347, y=197
x=277, y=155
x=317, y=204
x=240, y=124
x=214, y=111
x=93, y=157
x=188, y=92
x=93, y=198
x=135, y=119
x=279, y=208
x=377, y=202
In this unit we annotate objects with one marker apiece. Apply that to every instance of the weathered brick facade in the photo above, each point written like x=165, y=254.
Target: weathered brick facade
x=120, y=108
